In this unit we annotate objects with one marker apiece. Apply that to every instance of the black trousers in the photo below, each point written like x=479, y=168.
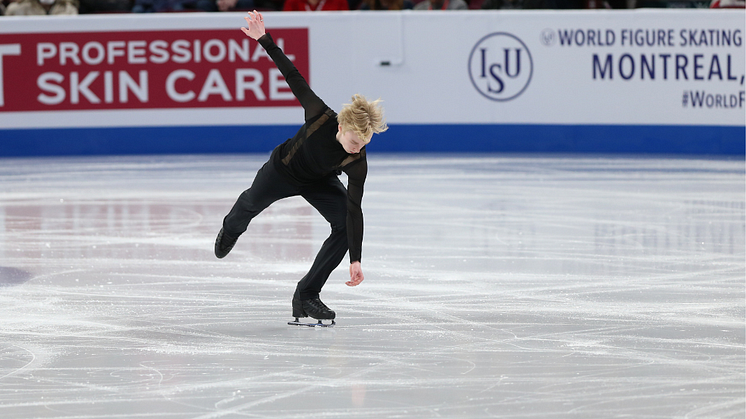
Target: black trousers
x=328, y=196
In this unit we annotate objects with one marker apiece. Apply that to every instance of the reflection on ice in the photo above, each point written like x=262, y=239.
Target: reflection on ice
x=13, y=276
x=132, y=228
x=495, y=286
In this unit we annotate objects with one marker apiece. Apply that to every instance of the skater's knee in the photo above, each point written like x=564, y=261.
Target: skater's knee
x=245, y=198
x=339, y=227
x=338, y=222
x=338, y=219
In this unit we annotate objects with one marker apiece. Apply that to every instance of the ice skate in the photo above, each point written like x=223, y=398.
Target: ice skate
x=314, y=308
x=223, y=244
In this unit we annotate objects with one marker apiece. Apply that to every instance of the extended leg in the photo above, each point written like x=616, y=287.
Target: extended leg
x=268, y=187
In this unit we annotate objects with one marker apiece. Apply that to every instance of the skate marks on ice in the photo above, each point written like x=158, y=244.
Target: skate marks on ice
x=508, y=287
x=624, y=278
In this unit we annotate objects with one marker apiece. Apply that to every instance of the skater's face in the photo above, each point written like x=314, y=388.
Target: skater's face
x=350, y=141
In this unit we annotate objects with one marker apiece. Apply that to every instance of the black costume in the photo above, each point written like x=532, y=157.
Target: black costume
x=308, y=165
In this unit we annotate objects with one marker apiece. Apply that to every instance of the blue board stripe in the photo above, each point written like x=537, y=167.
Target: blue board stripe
x=653, y=139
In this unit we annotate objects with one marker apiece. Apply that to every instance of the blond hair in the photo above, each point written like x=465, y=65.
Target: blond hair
x=362, y=117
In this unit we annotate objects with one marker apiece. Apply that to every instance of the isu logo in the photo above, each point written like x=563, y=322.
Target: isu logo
x=500, y=66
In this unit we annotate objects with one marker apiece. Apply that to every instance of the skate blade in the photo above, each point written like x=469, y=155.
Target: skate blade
x=309, y=324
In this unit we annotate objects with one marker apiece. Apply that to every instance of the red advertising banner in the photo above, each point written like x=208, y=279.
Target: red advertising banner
x=145, y=70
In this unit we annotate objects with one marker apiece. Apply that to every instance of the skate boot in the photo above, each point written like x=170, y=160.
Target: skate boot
x=314, y=308
x=223, y=244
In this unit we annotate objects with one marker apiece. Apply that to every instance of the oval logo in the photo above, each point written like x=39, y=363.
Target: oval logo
x=500, y=66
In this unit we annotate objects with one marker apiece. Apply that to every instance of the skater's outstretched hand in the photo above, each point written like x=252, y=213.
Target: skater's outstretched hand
x=255, y=21
x=356, y=274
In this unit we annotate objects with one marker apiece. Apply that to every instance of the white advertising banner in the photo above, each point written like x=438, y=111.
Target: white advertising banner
x=640, y=67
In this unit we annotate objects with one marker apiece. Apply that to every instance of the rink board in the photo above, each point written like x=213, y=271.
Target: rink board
x=440, y=138
x=657, y=81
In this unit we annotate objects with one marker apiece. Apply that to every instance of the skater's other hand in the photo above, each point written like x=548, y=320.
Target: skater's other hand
x=356, y=274
x=256, y=25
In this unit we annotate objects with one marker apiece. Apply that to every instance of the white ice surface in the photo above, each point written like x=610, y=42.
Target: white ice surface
x=497, y=286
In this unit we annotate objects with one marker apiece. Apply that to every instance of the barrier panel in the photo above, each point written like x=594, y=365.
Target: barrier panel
x=650, y=81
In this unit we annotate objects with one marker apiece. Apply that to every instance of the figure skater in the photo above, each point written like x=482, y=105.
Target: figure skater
x=308, y=165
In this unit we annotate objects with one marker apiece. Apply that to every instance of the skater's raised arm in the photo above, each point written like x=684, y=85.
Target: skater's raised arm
x=311, y=103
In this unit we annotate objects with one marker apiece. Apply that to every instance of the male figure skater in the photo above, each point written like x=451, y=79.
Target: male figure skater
x=307, y=165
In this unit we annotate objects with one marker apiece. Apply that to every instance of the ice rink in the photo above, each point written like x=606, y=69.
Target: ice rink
x=496, y=287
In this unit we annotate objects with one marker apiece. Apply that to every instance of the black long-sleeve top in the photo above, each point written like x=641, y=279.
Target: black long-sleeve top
x=314, y=152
